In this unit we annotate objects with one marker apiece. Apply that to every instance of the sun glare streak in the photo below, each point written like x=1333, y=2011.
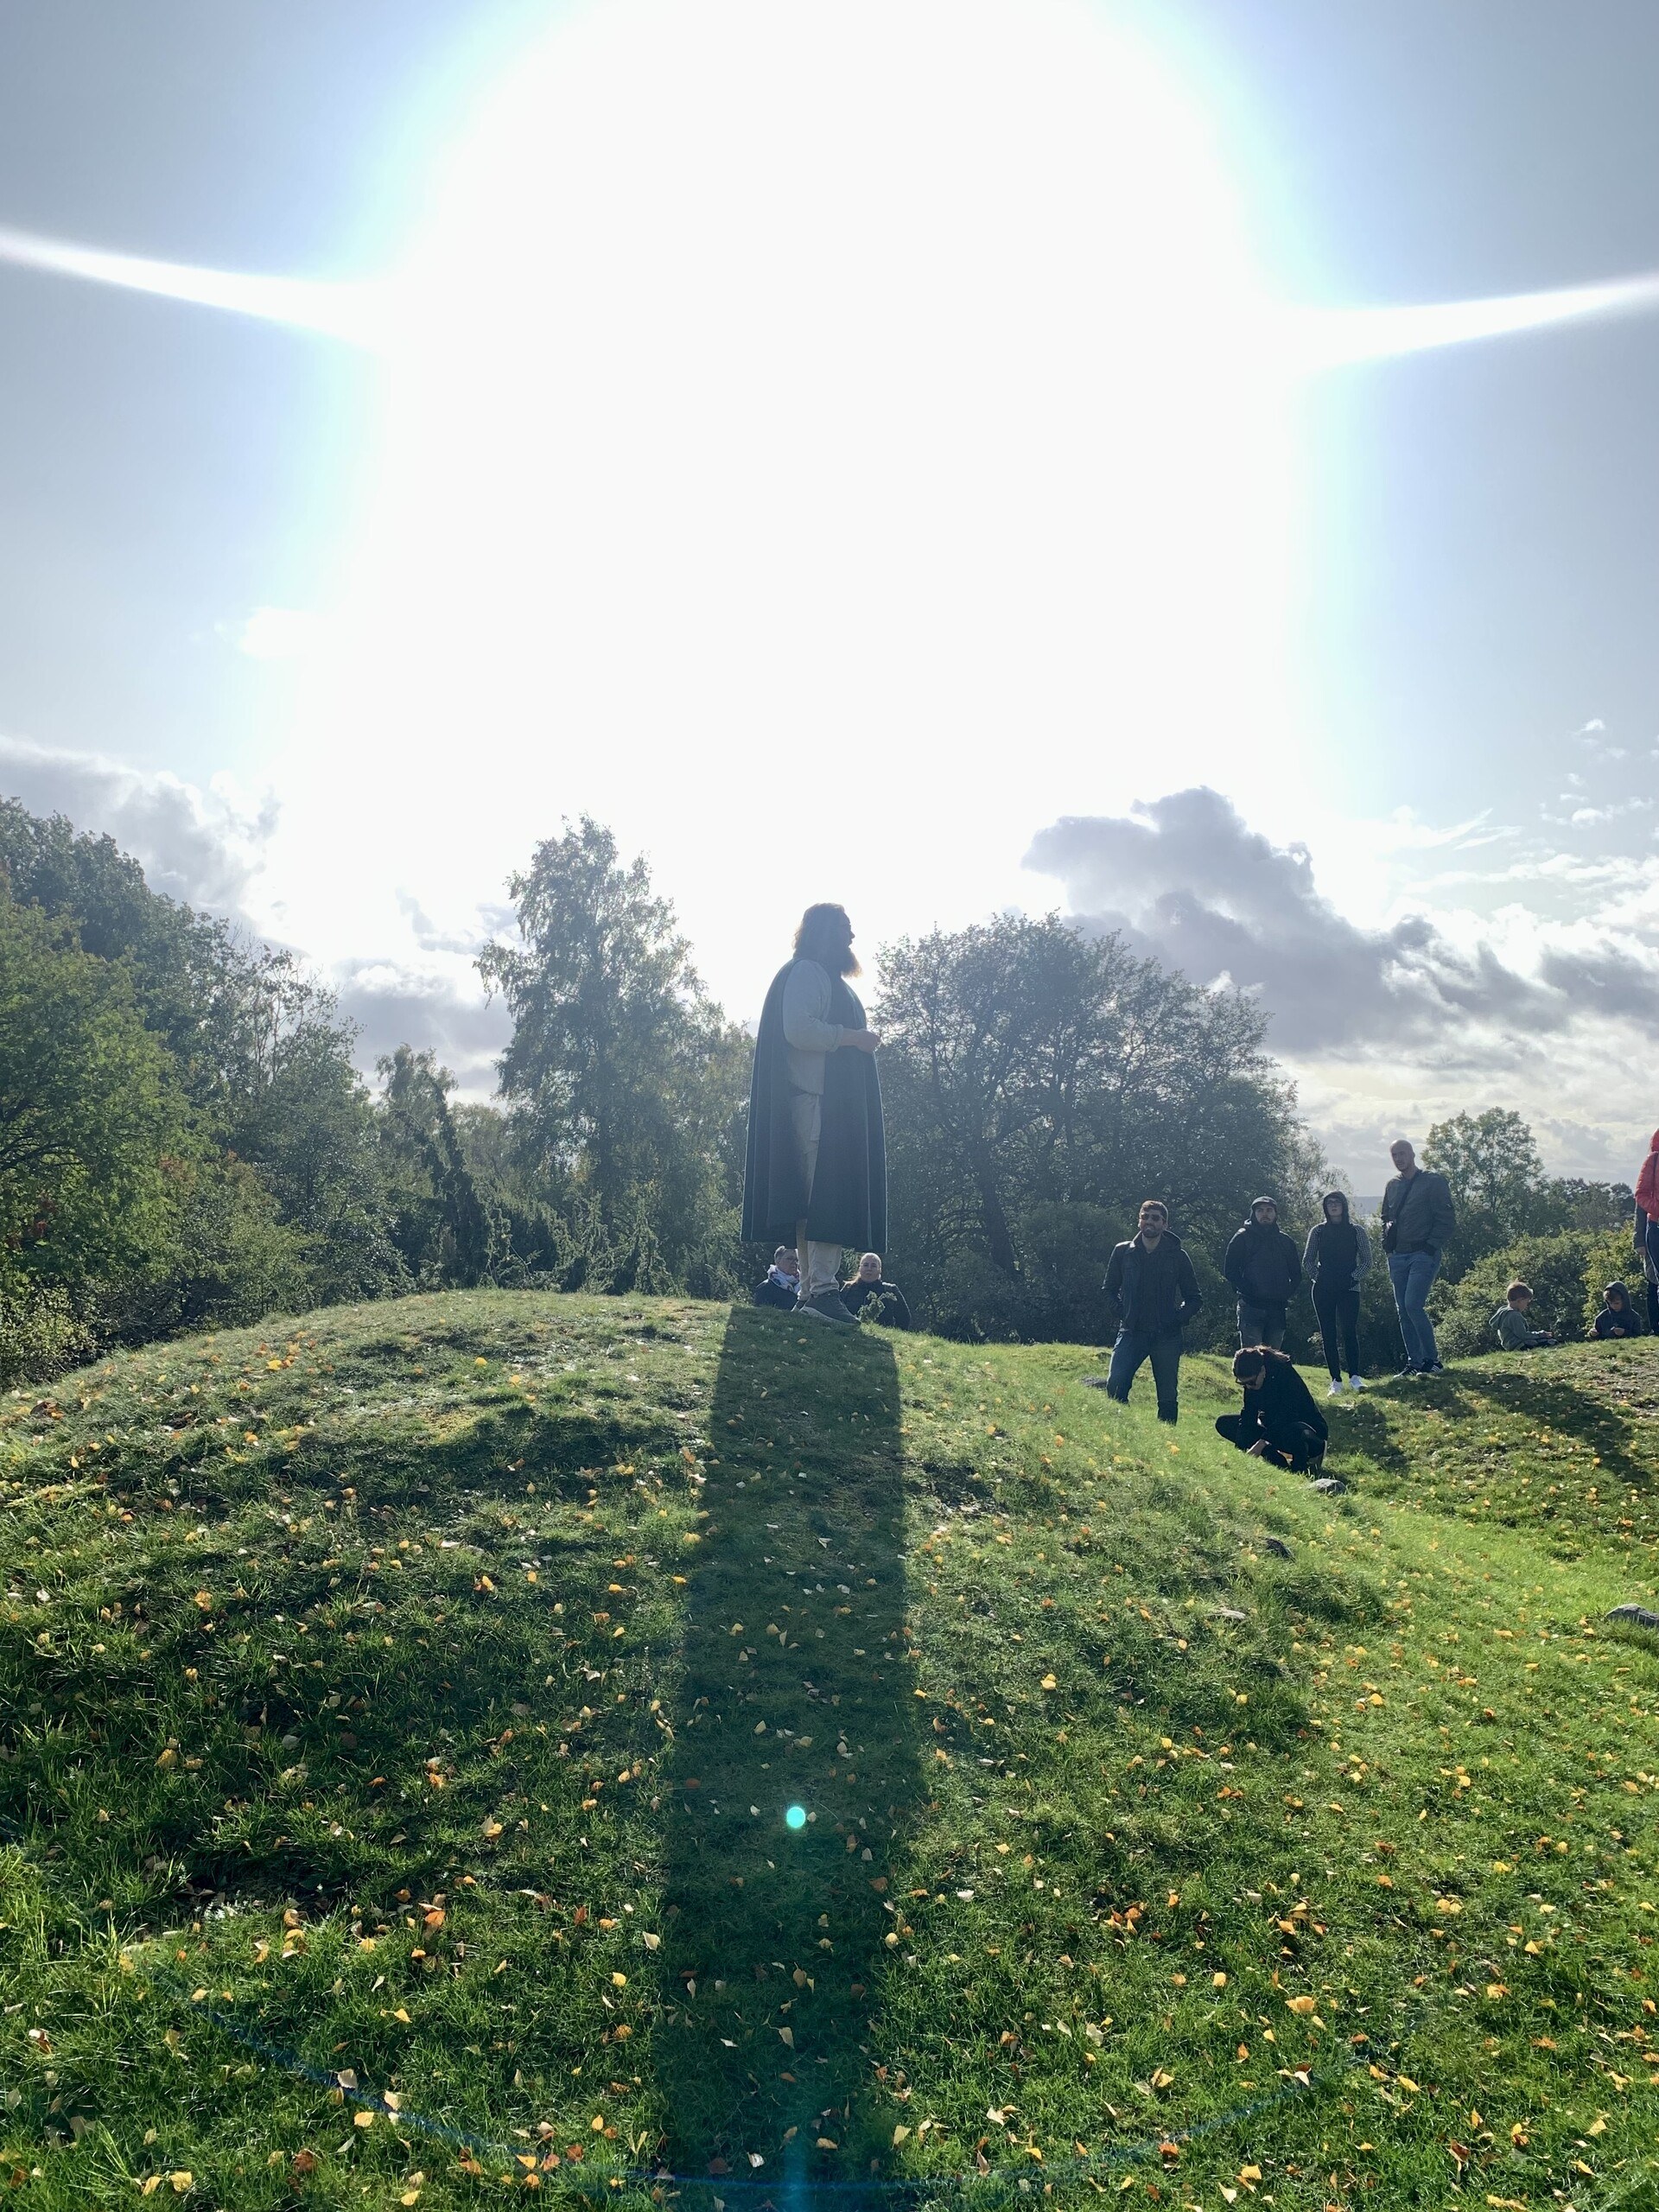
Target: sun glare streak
x=1316, y=338
x=1303, y=340
x=356, y=312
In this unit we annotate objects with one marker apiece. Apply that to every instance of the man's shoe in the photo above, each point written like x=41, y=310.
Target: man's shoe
x=1405, y=1374
x=1437, y=1369
x=1356, y=1383
x=827, y=1306
x=1335, y=1391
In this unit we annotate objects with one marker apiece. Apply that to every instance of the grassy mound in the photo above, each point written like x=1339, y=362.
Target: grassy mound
x=404, y=1712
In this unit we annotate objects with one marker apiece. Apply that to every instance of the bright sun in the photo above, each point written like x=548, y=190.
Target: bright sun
x=818, y=442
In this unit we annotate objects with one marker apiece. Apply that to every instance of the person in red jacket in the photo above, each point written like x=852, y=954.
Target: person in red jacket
x=1647, y=1226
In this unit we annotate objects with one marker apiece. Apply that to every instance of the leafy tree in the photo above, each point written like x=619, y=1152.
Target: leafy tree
x=1497, y=1176
x=88, y=1113
x=1491, y=1162
x=1028, y=1068
x=441, y=1223
x=194, y=981
x=297, y=1110
x=626, y=1073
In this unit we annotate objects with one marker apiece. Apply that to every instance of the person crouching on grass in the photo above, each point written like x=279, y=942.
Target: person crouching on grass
x=1279, y=1421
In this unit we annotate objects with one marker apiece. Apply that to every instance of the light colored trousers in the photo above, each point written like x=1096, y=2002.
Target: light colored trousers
x=820, y=1263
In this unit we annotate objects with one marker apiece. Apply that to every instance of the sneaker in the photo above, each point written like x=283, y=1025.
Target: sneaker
x=1437, y=1369
x=1356, y=1383
x=1335, y=1391
x=1406, y=1374
x=826, y=1306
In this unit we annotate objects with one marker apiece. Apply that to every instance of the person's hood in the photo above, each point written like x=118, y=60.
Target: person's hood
x=1250, y=1221
x=1653, y=1141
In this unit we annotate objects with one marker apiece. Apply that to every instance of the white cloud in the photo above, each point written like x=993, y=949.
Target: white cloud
x=205, y=847
x=1439, y=1009
x=436, y=1003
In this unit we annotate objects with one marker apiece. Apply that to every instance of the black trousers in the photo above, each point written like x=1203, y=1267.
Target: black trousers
x=1296, y=1446
x=1337, y=1314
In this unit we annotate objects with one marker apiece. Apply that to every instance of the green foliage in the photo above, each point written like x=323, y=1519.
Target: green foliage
x=1566, y=1273
x=210, y=1150
x=41, y=1331
x=1038, y=1083
x=440, y=1222
x=628, y=1076
x=1491, y=1163
x=87, y=1111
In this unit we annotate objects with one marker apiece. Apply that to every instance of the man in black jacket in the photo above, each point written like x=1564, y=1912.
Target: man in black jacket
x=1418, y=1218
x=1157, y=1292
x=1265, y=1270
x=1280, y=1422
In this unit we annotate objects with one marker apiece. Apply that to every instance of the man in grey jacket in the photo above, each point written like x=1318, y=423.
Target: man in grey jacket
x=1418, y=1218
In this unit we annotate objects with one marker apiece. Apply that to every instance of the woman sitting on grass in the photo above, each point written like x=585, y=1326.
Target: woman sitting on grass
x=1279, y=1421
x=1617, y=1315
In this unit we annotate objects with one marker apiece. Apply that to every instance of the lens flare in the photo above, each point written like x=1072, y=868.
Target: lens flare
x=795, y=1817
x=356, y=312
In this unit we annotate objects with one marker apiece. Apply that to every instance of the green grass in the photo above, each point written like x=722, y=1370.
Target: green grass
x=414, y=1695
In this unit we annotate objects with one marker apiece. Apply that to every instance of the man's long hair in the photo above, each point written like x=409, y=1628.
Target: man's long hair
x=823, y=936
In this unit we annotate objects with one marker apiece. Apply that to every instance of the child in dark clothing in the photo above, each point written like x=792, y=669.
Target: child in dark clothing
x=1617, y=1315
x=1510, y=1326
x=1279, y=1421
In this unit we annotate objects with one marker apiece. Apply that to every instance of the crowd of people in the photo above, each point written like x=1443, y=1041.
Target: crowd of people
x=815, y=1175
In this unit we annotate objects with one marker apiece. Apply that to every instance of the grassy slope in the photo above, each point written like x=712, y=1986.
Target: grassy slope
x=417, y=1691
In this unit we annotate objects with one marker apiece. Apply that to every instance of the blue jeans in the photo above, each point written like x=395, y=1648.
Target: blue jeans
x=1128, y=1354
x=1411, y=1273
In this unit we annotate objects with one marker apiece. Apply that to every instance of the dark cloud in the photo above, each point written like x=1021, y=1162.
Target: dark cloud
x=393, y=1004
x=191, y=845
x=1185, y=879
x=1613, y=983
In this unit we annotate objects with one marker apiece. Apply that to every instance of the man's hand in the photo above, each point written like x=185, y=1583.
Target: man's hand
x=861, y=1040
x=1258, y=1447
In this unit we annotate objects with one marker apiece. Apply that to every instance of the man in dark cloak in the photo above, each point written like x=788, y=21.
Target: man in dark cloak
x=816, y=1170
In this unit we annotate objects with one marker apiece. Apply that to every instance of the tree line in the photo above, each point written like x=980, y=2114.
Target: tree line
x=186, y=1140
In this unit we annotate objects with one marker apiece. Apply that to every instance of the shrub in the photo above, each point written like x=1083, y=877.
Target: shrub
x=1566, y=1273
x=40, y=1333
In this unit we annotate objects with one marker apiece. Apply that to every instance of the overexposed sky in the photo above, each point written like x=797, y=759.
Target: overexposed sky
x=846, y=450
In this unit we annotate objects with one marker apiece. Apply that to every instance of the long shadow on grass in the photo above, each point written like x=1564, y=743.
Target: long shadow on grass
x=776, y=1938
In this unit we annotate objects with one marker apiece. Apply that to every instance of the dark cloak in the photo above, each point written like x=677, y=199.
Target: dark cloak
x=849, y=1191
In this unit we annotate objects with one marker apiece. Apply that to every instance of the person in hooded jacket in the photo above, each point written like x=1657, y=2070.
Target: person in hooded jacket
x=1647, y=1226
x=1279, y=1421
x=1617, y=1316
x=1338, y=1256
x=1265, y=1270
